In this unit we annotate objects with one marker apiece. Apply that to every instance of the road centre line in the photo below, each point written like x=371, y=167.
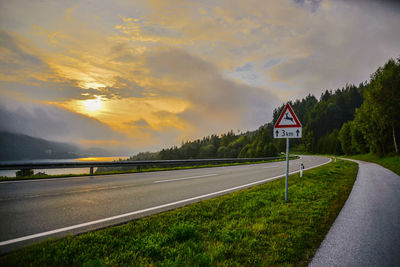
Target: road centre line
x=272, y=166
x=185, y=178
x=68, y=192
x=28, y=237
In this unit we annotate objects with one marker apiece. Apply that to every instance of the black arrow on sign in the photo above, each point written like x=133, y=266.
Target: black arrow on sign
x=276, y=132
x=298, y=131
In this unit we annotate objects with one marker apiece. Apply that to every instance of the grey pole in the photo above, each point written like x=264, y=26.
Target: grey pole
x=287, y=168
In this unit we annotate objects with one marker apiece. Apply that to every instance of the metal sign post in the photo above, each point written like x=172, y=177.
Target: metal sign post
x=287, y=169
x=287, y=126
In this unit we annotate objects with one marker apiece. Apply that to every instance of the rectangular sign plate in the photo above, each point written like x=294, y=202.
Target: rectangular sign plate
x=287, y=132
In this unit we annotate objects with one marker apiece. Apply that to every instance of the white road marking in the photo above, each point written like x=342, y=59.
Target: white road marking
x=271, y=167
x=68, y=192
x=185, y=178
x=24, y=238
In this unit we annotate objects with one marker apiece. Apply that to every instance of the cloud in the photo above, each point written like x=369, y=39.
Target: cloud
x=141, y=123
x=272, y=62
x=388, y=4
x=346, y=47
x=18, y=60
x=245, y=67
x=322, y=44
x=163, y=78
x=314, y=4
x=24, y=70
x=50, y=122
x=14, y=53
x=217, y=103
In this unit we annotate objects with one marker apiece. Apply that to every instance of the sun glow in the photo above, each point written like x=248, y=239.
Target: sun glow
x=93, y=105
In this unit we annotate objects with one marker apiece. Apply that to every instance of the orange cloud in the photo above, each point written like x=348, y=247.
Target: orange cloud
x=89, y=142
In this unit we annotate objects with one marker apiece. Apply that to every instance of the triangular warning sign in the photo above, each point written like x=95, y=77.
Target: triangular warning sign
x=287, y=119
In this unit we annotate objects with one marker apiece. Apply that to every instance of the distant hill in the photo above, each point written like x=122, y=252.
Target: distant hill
x=23, y=147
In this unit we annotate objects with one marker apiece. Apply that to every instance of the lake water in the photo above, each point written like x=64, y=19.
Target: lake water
x=11, y=173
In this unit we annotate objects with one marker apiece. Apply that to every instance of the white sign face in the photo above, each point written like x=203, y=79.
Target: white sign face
x=287, y=132
x=287, y=125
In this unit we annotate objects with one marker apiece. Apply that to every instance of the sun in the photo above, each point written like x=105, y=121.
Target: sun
x=93, y=105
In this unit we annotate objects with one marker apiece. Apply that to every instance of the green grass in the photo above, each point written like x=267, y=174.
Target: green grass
x=3, y=178
x=252, y=227
x=391, y=163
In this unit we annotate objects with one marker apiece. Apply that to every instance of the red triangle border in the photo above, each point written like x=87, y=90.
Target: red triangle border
x=297, y=125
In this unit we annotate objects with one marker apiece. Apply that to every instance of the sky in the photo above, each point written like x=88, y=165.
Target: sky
x=140, y=75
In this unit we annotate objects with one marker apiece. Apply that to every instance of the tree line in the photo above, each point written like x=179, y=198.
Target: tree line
x=258, y=143
x=350, y=120
x=376, y=124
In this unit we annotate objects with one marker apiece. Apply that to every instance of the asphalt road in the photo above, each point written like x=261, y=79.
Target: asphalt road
x=367, y=229
x=34, y=210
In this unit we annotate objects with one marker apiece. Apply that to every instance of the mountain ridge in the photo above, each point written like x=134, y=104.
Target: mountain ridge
x=18, y=146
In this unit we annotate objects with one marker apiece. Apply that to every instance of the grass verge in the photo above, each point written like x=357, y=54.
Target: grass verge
x=391, y=163
x=2, y=178
x=252, y=227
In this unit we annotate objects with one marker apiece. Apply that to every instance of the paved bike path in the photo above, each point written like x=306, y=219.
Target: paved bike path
x=367, y=230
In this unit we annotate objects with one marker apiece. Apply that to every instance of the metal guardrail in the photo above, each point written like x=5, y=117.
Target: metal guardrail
x=140, y=164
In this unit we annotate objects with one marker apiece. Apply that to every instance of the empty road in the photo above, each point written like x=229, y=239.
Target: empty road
x=38, y=209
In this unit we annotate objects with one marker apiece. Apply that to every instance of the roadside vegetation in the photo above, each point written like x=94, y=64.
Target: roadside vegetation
x=252, y=227
x=391, y=163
